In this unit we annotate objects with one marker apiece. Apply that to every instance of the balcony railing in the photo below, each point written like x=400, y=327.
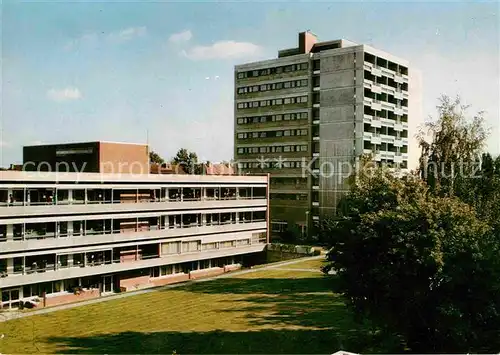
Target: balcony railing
x=142, y=229
x=118, y=201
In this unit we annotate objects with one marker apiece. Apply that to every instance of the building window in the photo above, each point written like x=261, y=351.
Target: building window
x=287, y=101
x=303, y=99
x=241, y=75
x=304, y=66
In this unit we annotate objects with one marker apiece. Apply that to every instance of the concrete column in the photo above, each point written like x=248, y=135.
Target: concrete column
x=86, y=197
x=10, y=232
x=204, y=193
x=237, y=193
x=203, y=219
x=237, y=216
x=182, y=194
x=9, y=192
x=10, y=266
x=166, y=195
x=70, y=196
x=21, y=294
x=70, y=260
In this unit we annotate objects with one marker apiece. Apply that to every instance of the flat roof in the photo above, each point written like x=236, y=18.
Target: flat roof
x=73, y=177
x=88, y=142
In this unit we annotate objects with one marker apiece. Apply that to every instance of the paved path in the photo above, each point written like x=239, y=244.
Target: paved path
x=5, y=316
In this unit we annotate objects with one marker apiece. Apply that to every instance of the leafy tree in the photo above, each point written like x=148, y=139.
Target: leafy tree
x=188, y=161
x=451, y=148
x=155, y=158
x=419, y=265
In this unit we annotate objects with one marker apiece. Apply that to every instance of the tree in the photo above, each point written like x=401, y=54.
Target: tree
x=155, y=158
x=419, y=265
x=187, y=160
x=451, y=148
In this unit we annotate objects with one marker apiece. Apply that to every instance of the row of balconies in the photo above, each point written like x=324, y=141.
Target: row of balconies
x=378, y=105
x=378, y=122
x=377, y=70
x=81, y=196
x=52, y=267
x=382, y=88
x=88, y=228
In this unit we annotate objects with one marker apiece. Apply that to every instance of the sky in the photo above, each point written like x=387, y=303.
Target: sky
x=162, y=72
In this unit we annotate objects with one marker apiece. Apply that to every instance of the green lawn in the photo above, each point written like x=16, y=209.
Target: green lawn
x=269, y=311
x=307, y=264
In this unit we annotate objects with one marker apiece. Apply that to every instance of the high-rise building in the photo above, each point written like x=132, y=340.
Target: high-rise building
x=308, y=115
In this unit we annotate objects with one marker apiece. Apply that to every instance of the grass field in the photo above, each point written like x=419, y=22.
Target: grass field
x=268, y=311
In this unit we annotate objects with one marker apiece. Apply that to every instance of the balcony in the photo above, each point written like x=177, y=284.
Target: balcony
x=376, y=123
x=387, y=138
x=48, y=210
x=376, y=105
x=376, y=71
x=55, y=273
x=398, y=127
x=398, y=143
x=376, y=139
x=376, y=88
x=118, y=237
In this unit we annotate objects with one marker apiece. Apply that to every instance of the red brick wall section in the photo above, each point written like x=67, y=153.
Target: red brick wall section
x=70, y=298
x=234, y=267
x=123, y=158
x=198, y=274
x=170, y=279
x=135, y=283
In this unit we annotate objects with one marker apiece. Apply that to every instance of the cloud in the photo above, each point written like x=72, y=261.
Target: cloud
x=127, y=34
x=66, y=94
x=92, y=38
x=183, y=36
x=223, y=50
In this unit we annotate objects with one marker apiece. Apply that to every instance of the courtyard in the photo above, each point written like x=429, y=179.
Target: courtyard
x=278, y=310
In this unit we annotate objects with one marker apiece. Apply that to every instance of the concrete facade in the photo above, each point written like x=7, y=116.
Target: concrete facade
x=359, y=100
x=73, y=236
